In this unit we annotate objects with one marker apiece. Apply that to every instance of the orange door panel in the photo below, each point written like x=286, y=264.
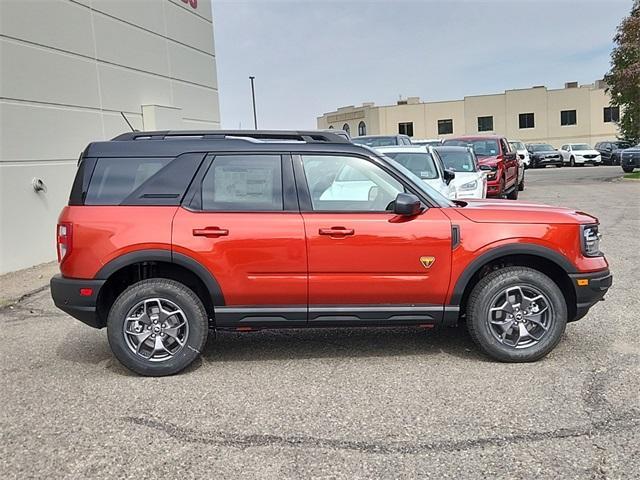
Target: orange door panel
x=259, y=260
x=378, y=258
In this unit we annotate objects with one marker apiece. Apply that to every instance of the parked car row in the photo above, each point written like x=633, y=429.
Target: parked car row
x=464, y=167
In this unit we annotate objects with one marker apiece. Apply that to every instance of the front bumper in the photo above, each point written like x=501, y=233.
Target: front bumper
x=584, y=160
x=590, y=288
x=67, y=297
x=540, y=162
x=630, y=160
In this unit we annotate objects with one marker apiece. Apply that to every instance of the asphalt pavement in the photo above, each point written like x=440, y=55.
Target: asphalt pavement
x=352, y=404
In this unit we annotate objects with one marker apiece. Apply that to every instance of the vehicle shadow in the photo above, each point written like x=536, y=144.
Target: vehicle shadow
x=338, y=343
x=285, y=345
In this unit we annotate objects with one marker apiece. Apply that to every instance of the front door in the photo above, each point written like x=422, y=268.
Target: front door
x=366, y=264
x=245, y=228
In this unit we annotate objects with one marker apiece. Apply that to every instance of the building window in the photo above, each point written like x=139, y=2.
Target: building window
x=405, y=128
x=331, y=126
x=568, y=117
x=527, y=120
x=485, y=124
x=611, y=114
x=445, y=127
x=362, y=128
x=346, y=128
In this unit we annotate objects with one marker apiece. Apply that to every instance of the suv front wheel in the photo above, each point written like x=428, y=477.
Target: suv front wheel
x=157, y=327
x=516, y=314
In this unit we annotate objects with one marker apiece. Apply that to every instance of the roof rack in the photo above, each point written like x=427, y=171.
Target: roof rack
x=308, y=136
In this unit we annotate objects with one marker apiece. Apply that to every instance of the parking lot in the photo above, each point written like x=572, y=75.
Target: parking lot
x=374, y=403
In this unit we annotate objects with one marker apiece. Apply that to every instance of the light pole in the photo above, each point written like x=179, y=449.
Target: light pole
x=253, y=97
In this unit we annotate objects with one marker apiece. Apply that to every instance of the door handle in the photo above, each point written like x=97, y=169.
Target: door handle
x=212, y=232
x=336, y=231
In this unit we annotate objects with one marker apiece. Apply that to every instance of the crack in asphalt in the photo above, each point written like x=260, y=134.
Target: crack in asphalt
x=627, y=421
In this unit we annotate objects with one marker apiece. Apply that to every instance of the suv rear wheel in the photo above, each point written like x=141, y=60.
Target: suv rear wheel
x=157, y=327
x=516, y=314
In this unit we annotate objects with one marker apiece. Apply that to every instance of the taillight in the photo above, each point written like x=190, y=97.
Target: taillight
x=64, y=240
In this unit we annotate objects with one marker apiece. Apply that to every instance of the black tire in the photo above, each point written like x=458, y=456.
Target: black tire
x=479, y=304
x=561, y=164
x=627, y=169
x=521, y=184
x=513, y=194
x=178, y=294
x=572, y=162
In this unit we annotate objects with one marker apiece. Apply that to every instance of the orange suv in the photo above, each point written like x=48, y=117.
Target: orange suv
x=168, y=235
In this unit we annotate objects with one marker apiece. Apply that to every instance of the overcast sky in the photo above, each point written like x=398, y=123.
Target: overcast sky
x=312, y=56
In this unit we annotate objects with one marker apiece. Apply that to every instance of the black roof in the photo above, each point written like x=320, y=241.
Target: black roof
x=171, y=143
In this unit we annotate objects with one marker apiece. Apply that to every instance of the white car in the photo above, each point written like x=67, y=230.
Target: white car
x=521, y=150
x=579, y=154
x=470, y=181
x=426, y=165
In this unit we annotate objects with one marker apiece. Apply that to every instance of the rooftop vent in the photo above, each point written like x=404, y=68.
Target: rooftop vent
x=571, y=85
x=538, y=86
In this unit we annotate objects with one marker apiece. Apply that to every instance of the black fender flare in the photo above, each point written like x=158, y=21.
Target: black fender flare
x=167, y=256
x=503, y=251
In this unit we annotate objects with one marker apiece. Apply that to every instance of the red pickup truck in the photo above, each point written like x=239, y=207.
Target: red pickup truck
x=170, y=235
x=495, y=155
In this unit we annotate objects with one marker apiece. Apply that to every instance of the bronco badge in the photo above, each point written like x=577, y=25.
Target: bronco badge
x=427, y=261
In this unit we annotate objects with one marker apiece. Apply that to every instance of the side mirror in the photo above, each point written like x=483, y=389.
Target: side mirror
x=407, y=204
x=448, y=176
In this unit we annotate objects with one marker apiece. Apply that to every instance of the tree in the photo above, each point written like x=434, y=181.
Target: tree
x=623, y=79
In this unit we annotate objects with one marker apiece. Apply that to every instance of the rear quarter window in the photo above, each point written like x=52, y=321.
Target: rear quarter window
x=141, y=181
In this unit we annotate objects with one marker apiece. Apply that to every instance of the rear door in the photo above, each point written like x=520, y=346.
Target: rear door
x=367, y=265
x=241, y=221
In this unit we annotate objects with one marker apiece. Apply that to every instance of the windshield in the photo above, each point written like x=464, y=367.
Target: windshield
x=517, y=145
x=580, y=146
x=481, y=147
x=542, y=147
x=424, y=187
x=622, y=145
x=375, y=141
x=458, y=161
x=420, y=163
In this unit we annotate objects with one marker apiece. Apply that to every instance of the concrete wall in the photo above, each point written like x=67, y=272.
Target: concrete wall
x=505, y=108
x=68, y=68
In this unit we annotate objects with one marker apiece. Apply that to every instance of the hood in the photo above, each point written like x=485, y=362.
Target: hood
x=492, y=160
x=510, y=211
x=465, y=177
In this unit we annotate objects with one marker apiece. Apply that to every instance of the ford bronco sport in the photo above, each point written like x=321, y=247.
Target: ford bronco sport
x=168, y=235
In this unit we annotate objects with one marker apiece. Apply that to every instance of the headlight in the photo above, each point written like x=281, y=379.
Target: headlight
x=590, y=239
x=469, y=185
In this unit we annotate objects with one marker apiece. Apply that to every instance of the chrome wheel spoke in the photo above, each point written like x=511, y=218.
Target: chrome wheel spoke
x=159, y=346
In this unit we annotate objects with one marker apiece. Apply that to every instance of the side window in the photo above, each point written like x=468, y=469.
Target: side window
x=250, y=183
x=342, y=183
x=114, y=179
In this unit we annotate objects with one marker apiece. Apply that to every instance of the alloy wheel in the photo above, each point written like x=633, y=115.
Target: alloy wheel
x=520, y=316
x=155, y=329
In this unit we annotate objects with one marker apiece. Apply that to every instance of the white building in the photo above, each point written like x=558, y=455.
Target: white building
x=68, y=68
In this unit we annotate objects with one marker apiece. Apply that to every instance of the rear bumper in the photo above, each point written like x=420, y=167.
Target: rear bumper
x=66, y=296
x=594, y=289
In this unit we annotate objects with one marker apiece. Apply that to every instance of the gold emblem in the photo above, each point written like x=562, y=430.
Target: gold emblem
x=427, y=261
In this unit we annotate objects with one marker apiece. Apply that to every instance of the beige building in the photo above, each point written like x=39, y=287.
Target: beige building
x=576, y=113
x=68, y=68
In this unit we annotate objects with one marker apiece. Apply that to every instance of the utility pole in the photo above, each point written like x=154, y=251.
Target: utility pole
x=253, y=98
